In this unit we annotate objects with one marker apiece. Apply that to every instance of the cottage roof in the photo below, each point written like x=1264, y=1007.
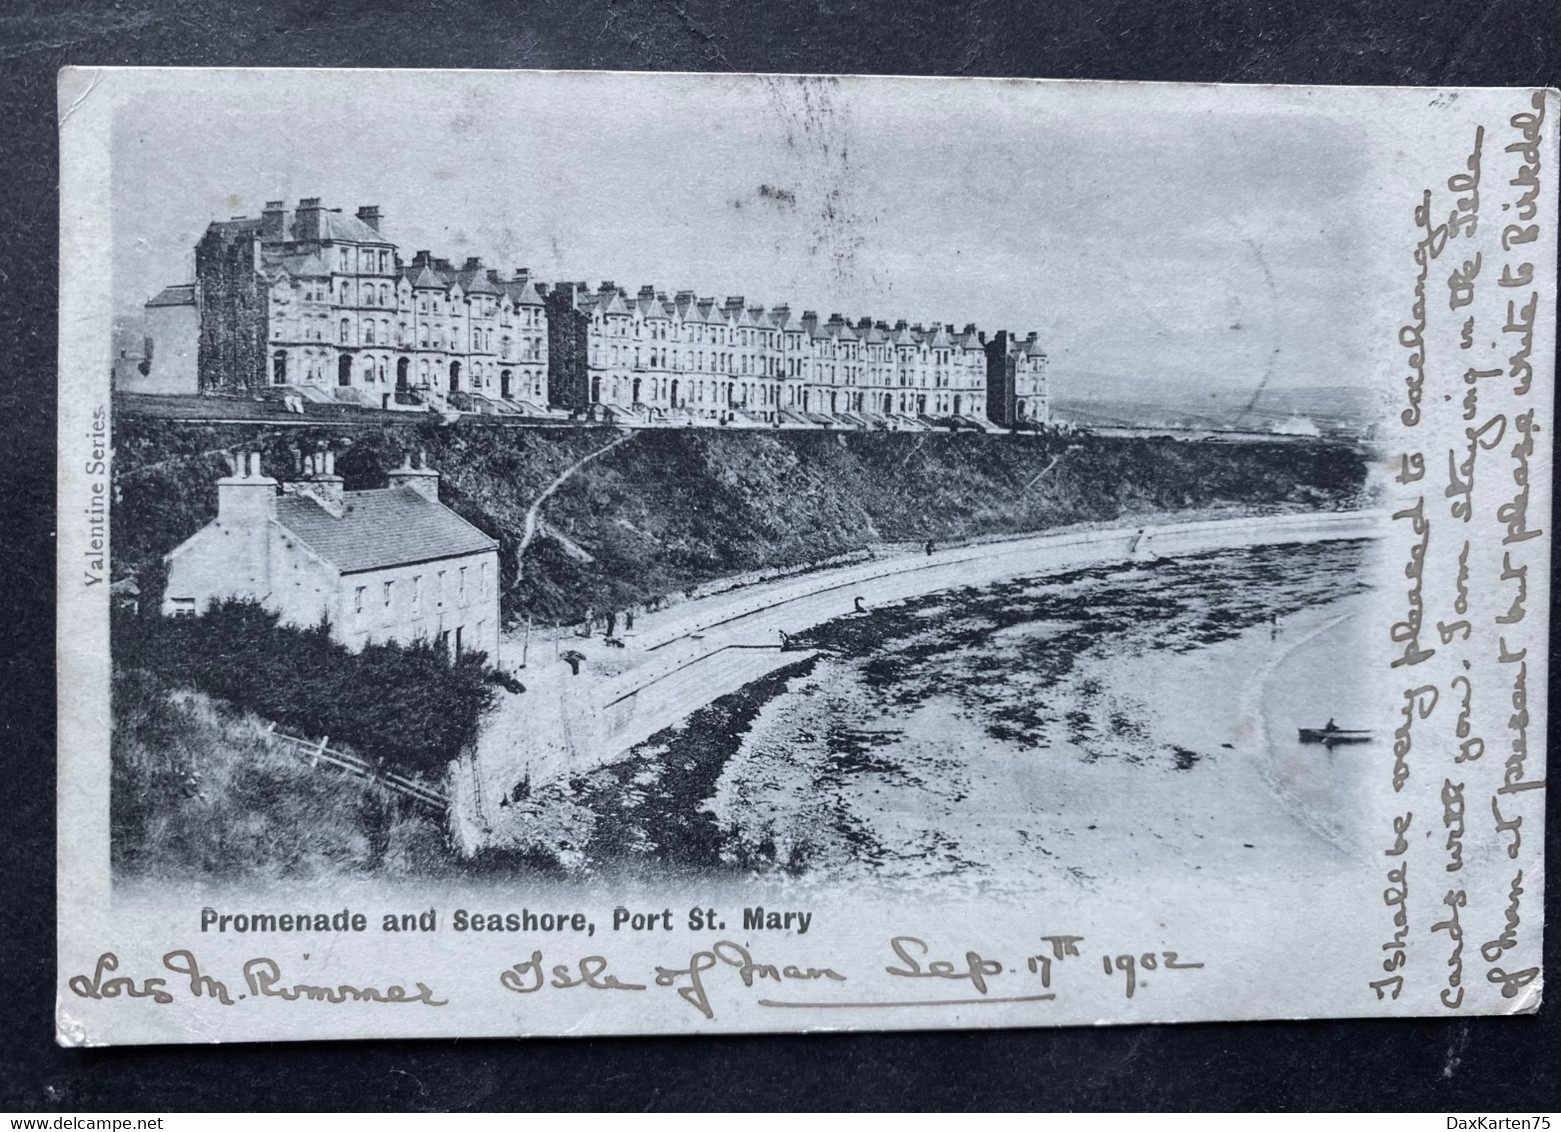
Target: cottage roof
x=428, y=278
x=388, y=527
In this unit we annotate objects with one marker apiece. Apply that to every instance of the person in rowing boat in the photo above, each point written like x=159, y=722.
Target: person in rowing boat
x=1330, y=727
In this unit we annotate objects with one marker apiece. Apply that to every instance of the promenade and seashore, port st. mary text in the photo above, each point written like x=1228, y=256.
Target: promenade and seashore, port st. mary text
x=696, y=554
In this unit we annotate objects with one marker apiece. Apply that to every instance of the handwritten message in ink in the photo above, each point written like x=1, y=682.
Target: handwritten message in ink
x=1471, y=431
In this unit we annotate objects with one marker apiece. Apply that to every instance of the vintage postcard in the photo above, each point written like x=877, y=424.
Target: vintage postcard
x=586, y=553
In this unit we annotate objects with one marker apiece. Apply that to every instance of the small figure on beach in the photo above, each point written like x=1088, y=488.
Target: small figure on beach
x=931, y=546
x=861, y=606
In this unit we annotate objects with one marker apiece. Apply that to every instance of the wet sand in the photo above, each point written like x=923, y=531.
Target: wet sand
x=1125, y=720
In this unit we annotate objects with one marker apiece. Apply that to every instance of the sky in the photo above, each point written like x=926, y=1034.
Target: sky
x=1202, y=235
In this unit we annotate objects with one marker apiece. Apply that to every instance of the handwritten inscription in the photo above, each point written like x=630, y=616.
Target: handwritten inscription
x=1470, y=404
x=262, y=978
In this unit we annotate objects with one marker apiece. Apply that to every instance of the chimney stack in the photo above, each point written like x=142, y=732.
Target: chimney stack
x=320, y=482
x=247, y=498
x=271, y=221
x=306, y=223
x=422, y=479
x=369, y=214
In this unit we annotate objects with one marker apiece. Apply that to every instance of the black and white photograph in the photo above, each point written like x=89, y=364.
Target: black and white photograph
x=581, y=553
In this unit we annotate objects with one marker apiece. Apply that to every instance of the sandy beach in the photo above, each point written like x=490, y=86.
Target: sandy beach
x=1062, y=732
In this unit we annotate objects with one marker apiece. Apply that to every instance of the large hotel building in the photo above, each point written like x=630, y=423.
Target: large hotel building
x=312, y=303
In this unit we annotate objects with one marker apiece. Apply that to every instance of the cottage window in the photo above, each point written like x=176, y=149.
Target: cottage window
x=181, y=607
x=357, y=599
x=462, y=597
x=417, y=595
x=390, y=591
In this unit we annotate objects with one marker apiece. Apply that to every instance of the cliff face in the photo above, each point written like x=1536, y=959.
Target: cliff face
x=668, y=510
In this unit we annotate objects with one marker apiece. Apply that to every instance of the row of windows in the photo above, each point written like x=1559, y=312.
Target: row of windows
x=367, y=260
x=383, y=295
x=363, y=599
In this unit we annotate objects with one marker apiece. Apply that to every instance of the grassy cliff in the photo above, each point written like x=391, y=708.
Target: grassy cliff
x=667, y=510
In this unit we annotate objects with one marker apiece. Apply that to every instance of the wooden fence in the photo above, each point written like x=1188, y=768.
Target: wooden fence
x=317, y=753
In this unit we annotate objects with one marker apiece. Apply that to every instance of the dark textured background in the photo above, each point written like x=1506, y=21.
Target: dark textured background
x=1460, y=1065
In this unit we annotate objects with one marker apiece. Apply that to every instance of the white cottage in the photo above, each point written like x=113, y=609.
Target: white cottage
x=392, y=564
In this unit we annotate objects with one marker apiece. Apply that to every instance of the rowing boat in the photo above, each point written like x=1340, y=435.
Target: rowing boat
x=1333, y=736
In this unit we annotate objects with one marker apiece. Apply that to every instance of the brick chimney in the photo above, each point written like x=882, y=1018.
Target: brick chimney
x=369, y=214
x=421, y=479
x=648, y=291
x=473, y=263
x=306, y=222
x=271, y=222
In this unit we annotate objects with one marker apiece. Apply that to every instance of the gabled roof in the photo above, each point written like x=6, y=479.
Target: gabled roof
x=523, y=293
x=614, y=304
x=178, y=295
x=428, y=278
x=392, y=526
x=477, y=282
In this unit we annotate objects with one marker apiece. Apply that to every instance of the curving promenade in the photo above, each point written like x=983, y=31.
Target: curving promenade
x=683, y=658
